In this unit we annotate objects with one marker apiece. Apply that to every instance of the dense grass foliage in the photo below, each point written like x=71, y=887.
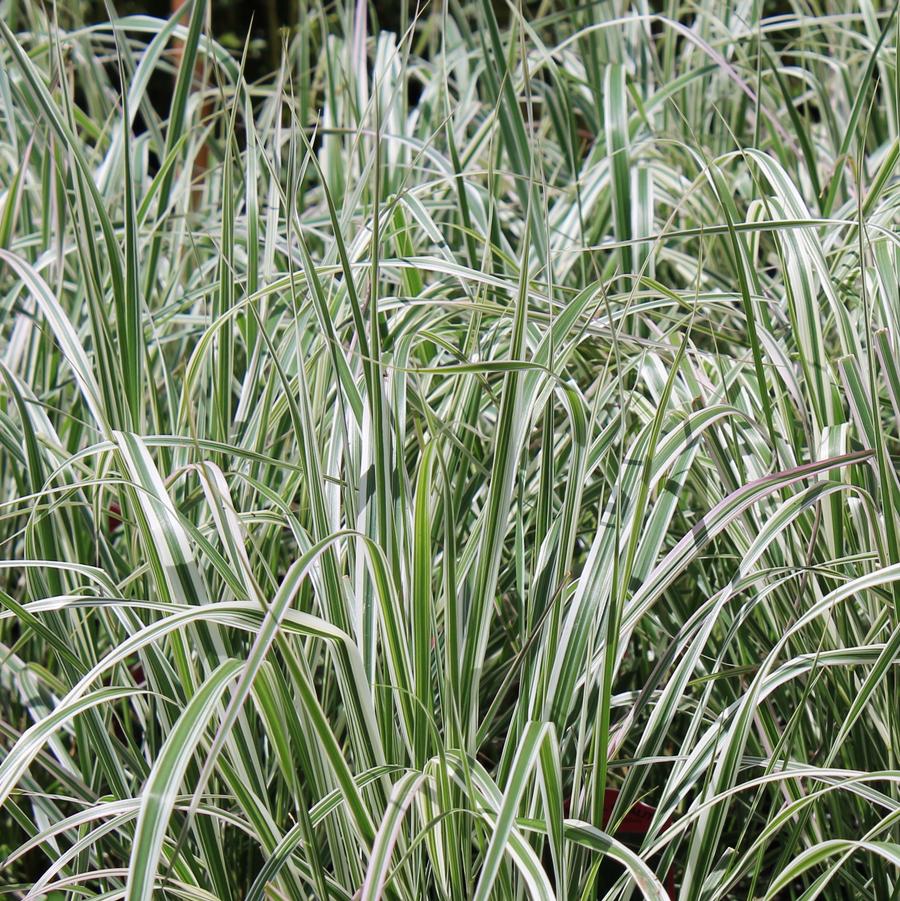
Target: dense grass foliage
x=403, y=453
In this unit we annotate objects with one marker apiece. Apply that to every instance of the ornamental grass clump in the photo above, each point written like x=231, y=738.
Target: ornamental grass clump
x=422, y=464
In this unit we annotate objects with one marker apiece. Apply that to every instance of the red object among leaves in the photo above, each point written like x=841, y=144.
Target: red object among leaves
x=113, y=521
x=635, y=825
x=638, y=819
x=637, y=822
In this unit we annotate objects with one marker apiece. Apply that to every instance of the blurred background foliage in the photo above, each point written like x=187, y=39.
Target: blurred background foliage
x=267, y=24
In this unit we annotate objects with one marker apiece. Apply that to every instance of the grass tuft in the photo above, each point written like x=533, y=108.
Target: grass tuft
x=462, y=464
